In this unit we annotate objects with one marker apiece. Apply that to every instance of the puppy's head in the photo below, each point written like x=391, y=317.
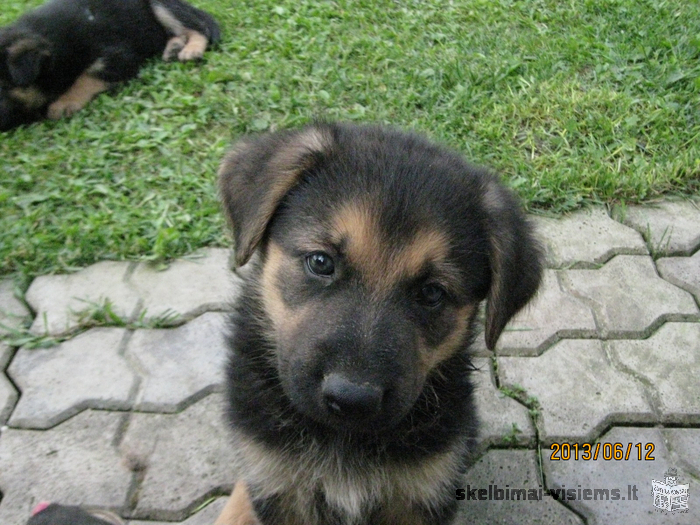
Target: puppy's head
x=23, y=56
x=376, y=249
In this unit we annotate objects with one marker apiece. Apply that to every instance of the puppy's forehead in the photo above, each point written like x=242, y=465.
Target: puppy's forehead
x=384, y=254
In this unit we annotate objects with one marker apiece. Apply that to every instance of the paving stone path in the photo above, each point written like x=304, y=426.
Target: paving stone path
x=129, y=418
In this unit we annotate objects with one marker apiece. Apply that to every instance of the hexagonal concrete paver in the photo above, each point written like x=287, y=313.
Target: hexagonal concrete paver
x=187, y=457
x=579, y=392
x=58, y=300
x=181, y=364
x=205, y=516
x=685, y=448
x=13, y=312
x=514, y=471
x=74, y=463
x=670, y=227
x=682, y=271
x=633, y=504
x=554, y=314
x=623, y=307
x=503, y=421
x=586, y=239
x=85, y=372
x=188, y=287
x=668, y=362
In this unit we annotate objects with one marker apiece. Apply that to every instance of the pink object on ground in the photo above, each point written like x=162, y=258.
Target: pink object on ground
x=41, y=506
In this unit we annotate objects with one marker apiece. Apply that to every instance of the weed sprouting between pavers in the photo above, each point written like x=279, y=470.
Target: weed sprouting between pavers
x=96, y=314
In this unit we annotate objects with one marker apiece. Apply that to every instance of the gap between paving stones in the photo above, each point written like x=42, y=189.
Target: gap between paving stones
x=170, y=448
x=532, y=408
x=9, y=393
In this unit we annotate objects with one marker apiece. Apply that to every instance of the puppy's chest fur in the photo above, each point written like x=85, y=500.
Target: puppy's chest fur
x=320, y=487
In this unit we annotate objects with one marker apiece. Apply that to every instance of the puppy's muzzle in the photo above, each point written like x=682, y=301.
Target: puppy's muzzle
x=347, y=399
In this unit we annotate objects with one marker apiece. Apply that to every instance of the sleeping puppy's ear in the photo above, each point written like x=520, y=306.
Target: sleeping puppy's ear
x=26, y=58
x=256, y=175
x=515, y=257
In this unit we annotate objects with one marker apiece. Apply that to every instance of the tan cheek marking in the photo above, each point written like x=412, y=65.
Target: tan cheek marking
x=25, y=45
x=284, y=319
x=431, y=357
x=29, y=97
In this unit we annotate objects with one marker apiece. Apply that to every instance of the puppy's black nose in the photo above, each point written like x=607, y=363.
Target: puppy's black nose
x=348, y=399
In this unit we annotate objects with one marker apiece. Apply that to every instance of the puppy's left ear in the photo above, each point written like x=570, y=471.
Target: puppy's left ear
x=258, y=172
x=25, y=59
x=515, y=257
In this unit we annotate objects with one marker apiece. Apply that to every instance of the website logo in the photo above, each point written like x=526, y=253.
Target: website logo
x=669, y=495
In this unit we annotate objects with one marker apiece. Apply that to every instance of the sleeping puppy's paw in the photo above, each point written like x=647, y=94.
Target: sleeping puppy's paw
x=174, y=47
x=64, y=108
x=195, y=47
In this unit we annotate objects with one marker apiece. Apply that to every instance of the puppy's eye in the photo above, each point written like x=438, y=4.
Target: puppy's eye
x=320, y=264
x=431, y=295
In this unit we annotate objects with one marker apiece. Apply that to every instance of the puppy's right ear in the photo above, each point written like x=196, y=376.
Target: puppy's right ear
x=257, y=173
x=25, y=59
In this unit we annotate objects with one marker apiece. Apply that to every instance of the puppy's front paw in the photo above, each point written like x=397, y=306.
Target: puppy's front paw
x=63, y=108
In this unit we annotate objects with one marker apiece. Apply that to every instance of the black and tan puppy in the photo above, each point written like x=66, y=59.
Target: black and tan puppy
x=349, y=373
x=55, y=59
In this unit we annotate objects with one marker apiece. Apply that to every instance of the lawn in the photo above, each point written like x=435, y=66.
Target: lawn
x=573, y=102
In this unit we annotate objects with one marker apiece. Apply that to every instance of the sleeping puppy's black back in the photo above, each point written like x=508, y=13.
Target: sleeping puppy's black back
x=79, y=32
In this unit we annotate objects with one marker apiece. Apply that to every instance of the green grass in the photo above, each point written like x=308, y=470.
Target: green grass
x=572, y=101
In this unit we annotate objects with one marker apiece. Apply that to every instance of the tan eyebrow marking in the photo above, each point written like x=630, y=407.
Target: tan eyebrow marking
x=382, y=265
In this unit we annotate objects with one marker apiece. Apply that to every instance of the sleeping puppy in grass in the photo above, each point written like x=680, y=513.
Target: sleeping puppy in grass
x=348, y=384
x=57, y=58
